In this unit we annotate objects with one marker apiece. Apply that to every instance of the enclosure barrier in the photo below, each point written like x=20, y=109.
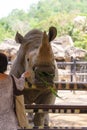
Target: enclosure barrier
x=76, y=69
x=55, y=128
x=71, y=85
x=74, y=109
x=66, y=109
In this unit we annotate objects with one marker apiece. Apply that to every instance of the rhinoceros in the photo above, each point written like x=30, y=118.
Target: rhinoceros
x=36, y=56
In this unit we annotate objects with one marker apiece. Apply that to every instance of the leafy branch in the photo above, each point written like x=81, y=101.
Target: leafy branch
x=41, y=74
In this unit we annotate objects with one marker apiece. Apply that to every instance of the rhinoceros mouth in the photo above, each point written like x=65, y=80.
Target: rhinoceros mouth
x=44, y=75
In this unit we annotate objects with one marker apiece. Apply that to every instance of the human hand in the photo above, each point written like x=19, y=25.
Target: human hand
x=26, y=74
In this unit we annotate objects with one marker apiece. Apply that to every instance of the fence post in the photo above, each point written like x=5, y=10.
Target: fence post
x=73, y=67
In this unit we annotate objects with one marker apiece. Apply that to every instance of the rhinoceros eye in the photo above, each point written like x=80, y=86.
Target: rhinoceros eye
x=28, y=59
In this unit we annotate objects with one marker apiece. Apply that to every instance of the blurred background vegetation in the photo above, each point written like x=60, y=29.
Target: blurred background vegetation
x=58, y=13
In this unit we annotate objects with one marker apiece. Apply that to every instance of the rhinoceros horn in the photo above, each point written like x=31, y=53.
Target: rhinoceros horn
x=45, y=53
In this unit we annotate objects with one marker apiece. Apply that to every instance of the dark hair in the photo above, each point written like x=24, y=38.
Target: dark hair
x=3, y=63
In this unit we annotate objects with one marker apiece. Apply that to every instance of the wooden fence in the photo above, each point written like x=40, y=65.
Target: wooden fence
x=67, y=109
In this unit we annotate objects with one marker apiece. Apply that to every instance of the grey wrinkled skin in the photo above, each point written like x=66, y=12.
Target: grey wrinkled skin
x=35, y=55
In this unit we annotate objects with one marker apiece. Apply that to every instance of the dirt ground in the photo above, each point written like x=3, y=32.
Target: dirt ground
x=70, y=120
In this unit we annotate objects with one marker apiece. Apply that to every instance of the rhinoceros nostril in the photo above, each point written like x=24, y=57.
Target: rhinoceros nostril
x=28, y=59
x=33, y=68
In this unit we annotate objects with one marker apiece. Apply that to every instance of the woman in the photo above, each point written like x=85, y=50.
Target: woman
x=8, y=119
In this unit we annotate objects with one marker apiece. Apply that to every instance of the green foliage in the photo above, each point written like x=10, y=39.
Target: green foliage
x=4, y=33
x=16, y=21
x=81, y=42
x=46, y=13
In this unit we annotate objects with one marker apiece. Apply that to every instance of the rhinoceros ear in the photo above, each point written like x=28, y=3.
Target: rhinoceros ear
x=52, y=33
x=19, y=38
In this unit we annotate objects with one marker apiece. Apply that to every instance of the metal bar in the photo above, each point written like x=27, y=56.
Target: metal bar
x=55, y=128
x=68, y=82
x=74, y=109
x=64, y=63
x=66, y=86
x=71, y=86
x=70, y=63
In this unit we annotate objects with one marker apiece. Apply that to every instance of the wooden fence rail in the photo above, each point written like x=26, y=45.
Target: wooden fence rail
x=74, y=109
x=71, y=85
x=55, y=128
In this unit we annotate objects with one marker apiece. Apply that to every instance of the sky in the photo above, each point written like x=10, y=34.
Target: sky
x=6, y=6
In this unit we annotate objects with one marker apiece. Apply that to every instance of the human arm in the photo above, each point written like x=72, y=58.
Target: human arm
x=20, y=82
